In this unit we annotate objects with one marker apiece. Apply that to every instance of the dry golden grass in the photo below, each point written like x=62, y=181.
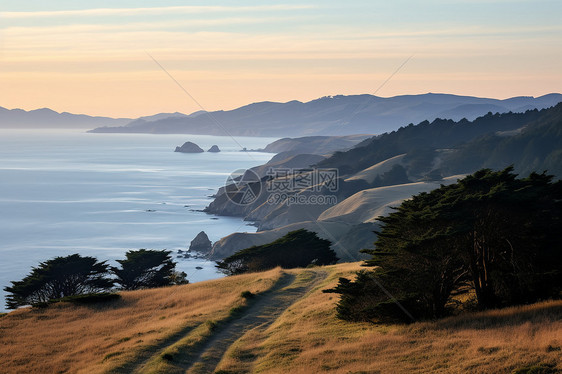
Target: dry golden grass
x=308, y=338
x=90, y=339
x=135, y=333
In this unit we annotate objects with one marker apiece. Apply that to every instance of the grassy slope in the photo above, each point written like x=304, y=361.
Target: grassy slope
x=289, y=327
x=122, y=334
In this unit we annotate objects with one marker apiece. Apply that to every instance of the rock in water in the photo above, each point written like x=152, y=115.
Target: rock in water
x=189, y=147
x=201, y=243
x=214, y=148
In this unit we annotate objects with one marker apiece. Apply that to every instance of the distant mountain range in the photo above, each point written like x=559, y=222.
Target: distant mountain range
x=333, y=115
x=49, y=119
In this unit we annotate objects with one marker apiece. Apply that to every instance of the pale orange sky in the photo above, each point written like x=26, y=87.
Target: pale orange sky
x=69, y=57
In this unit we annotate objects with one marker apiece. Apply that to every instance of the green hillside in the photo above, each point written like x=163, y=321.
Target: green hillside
x=530, y=140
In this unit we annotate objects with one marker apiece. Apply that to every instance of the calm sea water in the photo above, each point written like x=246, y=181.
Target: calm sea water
x=103, y=194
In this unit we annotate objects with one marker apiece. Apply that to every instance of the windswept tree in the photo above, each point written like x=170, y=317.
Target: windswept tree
x=410, y=280
x=296, y=249
x=507, y=234
x=146, y=268
x=491, y=232
x=57, y=278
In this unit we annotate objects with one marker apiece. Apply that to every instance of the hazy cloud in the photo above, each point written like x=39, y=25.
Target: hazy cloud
x=150, y=11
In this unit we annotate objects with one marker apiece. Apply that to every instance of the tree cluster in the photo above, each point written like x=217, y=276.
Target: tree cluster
x=418, y=140
x=63, y=277
x=490, y=234
x=298, y=248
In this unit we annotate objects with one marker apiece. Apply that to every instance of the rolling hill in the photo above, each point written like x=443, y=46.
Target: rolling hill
x=289, y=326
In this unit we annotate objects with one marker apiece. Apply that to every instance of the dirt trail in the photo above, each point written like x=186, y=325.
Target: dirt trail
x=261, y=313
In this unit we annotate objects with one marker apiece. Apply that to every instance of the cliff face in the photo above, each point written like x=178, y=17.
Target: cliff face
x=347, y=215
x=349, y=224
x=276, y=216
x=260, y=208
x=271, y=210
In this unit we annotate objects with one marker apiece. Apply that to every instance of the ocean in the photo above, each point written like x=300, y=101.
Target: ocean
x=65, y=192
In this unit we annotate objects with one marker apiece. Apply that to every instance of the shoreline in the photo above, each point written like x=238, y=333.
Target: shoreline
x=67, y=192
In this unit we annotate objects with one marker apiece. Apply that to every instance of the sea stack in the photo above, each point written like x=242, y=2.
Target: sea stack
x=214, y=148
x=189, y=147
x=201, y=243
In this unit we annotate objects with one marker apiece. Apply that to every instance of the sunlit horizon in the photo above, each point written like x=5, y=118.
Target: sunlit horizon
x=68, y=56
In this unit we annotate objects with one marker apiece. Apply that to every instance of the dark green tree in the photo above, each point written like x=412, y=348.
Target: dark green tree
x=420, y=278
x=506, y=230
x=490, y=231
x=145, y=268
x=296, y=249
x=59, y=277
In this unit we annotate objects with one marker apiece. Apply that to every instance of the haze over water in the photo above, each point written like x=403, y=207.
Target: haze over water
x=103, y=194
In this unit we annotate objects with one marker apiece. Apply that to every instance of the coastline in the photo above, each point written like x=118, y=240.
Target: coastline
x=65, y=192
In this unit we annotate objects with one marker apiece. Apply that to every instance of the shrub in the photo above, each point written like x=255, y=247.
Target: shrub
x=296, y=249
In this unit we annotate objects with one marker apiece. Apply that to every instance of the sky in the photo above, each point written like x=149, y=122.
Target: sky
x=95, y=57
